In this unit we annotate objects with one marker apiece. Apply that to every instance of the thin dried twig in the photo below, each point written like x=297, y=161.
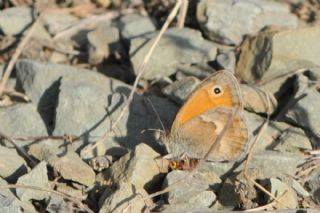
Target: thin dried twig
x=90, y=21
x=141, y=70
x=183, y=13
x=282, y=76
x=40, y=138
x=17, y=53
x=68, y=197
x=246, y=167
x=19, y=149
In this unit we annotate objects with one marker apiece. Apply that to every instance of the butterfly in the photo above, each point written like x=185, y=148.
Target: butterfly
x=203, y=118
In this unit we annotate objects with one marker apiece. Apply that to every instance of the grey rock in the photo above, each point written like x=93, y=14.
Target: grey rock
x=303, y=111
x=277, y=136
x=133, y=25
x=22, y=120
x=108, y=95
x=57, y=204
x=71, y=167
x=200, y=71
x=284, y=193
x=71, y=190
x=56, y=22
x=49, y=150
x=313, y=184
x=299, y=189
x=177, y=47
x=10, y=203
x=60, y=90
x=139, y=167
x=229, y=21
x=41, y=80
x=227, y=60
x=12, y=165
x=127, y=198
x=61, y=57
x=272, y=54
x=191, y=188
x=10, y=209
x=36, y=177
x=280, y=136
x=186, y=207
x=268, y=163
x=257, y=100
x=101, y=42
x=179, y=90
x=20, y=16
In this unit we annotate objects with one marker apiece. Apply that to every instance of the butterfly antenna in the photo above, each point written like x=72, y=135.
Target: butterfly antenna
x=157, y=114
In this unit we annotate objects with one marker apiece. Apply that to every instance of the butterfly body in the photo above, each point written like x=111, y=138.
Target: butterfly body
x=203, y=118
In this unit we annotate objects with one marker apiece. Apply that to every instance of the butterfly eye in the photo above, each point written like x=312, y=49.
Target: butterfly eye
x=217, y=91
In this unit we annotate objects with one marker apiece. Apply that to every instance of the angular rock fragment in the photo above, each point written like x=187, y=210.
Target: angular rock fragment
x=178, y=47
x=71, y=167
x=179, y=90
x=37, y=177
x=125, y=199
x=228, y=21
x=272, y=54
x=141, y=167
x=12, y=166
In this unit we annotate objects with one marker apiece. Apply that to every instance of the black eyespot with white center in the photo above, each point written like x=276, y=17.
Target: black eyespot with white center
x=217, y=90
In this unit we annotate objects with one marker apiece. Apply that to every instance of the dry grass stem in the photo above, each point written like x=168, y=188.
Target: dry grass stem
x=141, y=70
x=17, y=53
x=183, y=13
x=91, y=21
x=19, y=149
x=246, y=166
x=267, y=81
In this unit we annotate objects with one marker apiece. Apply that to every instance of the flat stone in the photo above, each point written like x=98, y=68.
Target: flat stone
x=229, y=21
x=102, y=41
x=192, y=189
x=57, y=204
x=271, y=54
x=299, y=189
x=57, y=22
x=36, y=177
x=80, y=91
x=305, y=112
x=50, y=150
x=133, y=197
x=177, y=47
x=227, y=60
x=20, y=16
x=284, y=193
x=179, y=90
x=313, y=184
x=139, y=167
x=256, y=100
x=59, y=89
x=268, y=163
x=12, y=165
x=71, y=167
x=185, y=207
x=12, y=125
x=280, y=136
x=10, y=203
x=133, y=25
